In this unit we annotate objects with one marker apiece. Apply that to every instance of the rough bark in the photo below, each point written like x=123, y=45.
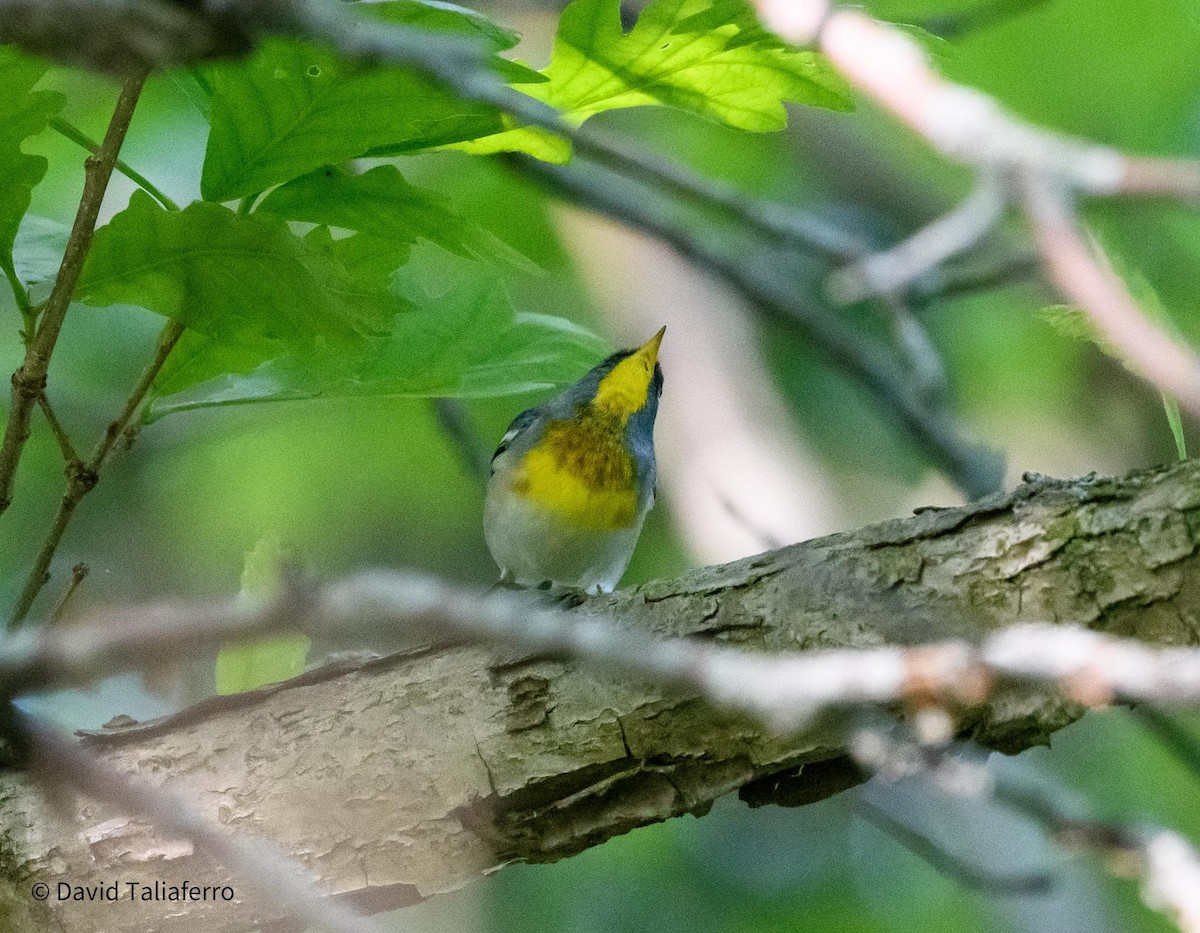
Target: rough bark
x=395, y=779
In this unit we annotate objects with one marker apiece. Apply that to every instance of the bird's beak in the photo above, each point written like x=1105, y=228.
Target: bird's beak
x=649, y=350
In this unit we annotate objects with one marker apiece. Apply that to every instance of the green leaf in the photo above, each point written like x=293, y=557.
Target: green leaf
x=246, y=280
x=38, y=252
x=382, y=205
x=368, y=263
x=712, y=58
x=291, y=108
x=23, y=113
x=248, y=666
x=466, y=342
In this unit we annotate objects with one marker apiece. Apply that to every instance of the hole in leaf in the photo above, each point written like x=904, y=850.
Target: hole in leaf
x=314, y=71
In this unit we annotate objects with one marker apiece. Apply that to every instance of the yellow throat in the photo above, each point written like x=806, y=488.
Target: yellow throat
x=581, y=470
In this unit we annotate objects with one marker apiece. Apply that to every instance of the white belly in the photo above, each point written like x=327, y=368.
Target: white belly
x=533, y=547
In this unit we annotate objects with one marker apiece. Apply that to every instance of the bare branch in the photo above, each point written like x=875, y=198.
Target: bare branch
x=69, y=455
x=82, y=477
x=1052, y=169
x=1168, y=864
x=29, y=381
x=79, y=573
x=786, y=691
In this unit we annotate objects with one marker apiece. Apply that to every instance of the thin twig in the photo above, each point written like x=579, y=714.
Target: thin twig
x=60, y=762
x=29, y=381
x=78, y=574
x=925, y=363
x=967, y=277
x=77, y=136
x=1168, y=864
x=452, y=419
x=82, y=477
x=70, y=457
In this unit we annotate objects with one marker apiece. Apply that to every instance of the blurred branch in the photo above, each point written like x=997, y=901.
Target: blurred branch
x=895, y=269
x=1088, y=281
x=82, y=477
x=452, y=419
x=956, y=25
x=1167, y=863
x=1047, y=169
x=29, y=381
x=978, y=275
x=946, y=863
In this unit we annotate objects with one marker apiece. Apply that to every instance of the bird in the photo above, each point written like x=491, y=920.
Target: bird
x=573, y=479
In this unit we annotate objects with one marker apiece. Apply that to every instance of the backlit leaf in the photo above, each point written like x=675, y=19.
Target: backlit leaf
x=712, y=58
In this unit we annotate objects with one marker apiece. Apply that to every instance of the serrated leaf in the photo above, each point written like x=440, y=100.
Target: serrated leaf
x=245, y=279
x=23, y=113
x=467, y=342
x=291, y=108
x=382, y=205
x=247, y=288
x=712, y=58
x=369, y=264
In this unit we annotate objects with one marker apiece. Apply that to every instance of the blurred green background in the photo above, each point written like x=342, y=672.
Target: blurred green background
x=349, y=484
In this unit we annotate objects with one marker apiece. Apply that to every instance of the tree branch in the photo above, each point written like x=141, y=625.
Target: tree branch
x=29, y=381
x=82, y=477
x=399, y=777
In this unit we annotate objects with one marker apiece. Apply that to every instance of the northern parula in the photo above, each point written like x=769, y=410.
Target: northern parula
x=573, y=478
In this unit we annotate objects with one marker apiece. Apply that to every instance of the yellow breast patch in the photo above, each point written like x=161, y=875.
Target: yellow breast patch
x=581, y=472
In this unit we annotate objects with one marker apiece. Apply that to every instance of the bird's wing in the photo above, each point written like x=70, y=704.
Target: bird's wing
x=519, y=424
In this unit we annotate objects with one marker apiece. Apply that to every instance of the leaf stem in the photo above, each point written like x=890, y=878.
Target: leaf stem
x=82, y=477
x=76, y=135
x=19, y=293
x=29, y=381
x=246, y=204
